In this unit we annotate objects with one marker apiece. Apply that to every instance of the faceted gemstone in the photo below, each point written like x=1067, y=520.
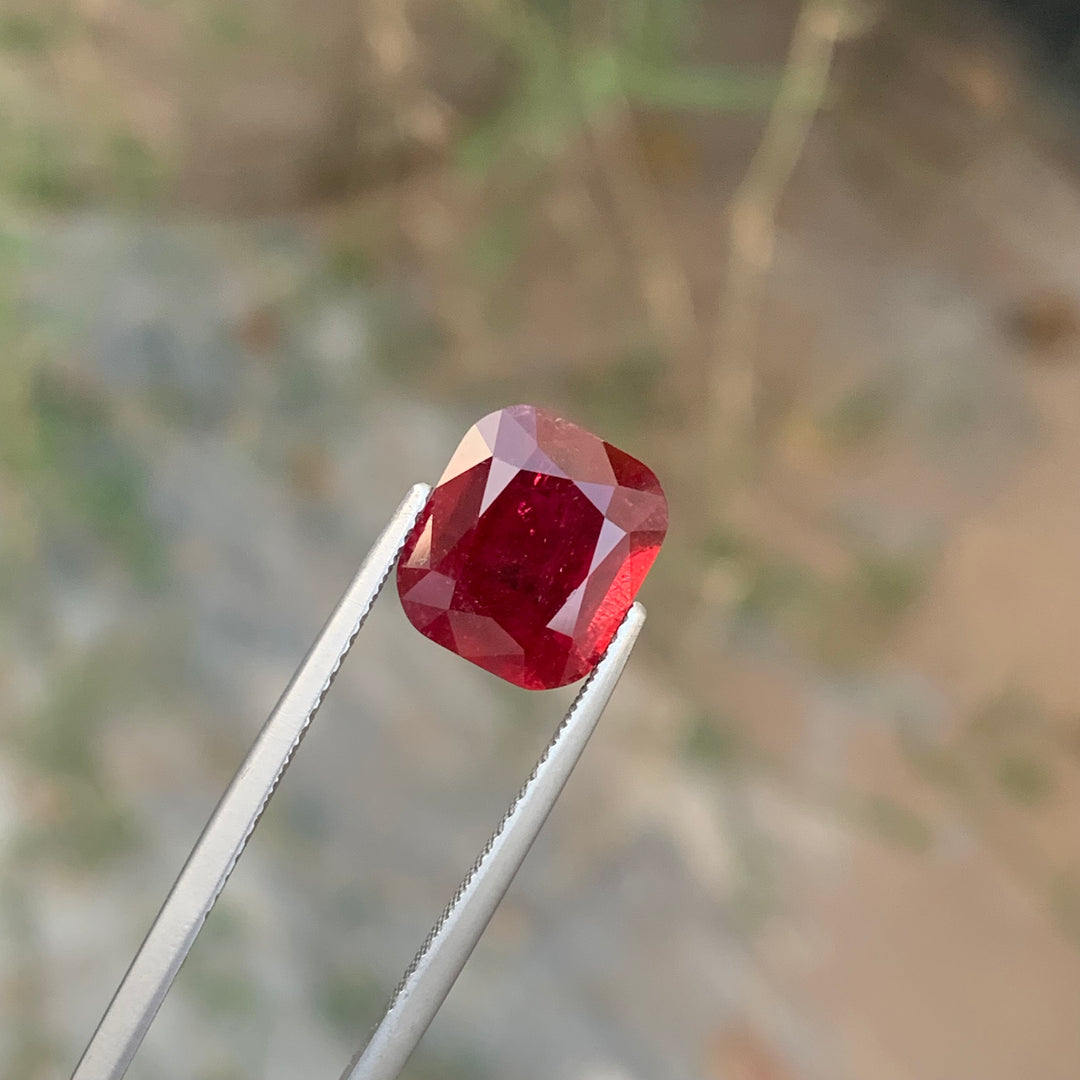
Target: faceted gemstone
x=532, y=547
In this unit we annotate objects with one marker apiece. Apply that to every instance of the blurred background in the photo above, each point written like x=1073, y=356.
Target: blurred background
x=262, y=262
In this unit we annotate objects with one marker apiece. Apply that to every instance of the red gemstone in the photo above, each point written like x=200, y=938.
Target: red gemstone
x=532, y=547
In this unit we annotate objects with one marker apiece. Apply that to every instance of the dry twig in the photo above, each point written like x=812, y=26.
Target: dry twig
x=752, y=245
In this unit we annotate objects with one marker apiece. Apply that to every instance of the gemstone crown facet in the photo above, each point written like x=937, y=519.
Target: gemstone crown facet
x=531, y=547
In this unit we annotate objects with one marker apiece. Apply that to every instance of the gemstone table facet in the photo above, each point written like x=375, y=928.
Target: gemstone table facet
x=532, y=547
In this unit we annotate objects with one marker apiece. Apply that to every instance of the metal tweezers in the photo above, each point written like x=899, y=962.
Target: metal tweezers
x=429, y=977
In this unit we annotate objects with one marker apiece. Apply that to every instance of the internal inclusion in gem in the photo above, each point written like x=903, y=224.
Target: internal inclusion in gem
x=532, y=547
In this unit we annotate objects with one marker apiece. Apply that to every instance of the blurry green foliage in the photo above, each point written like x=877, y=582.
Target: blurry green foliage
x=494, y=246
x=349, y=1000
x=570, y=75
x=723, y=544
x=298, y=827
x=225, y=1071
x=941, y=766
x=838, y=619
x=431, y=1065
x=228, y=24
x=32, y=31
x=48, y=164
x=1070, y=735
x=860, y=416
x=62, y=146
x=222, y=992
x=756, y=896
x=96, y=475
x=34, y=1055
x=622, y=395
x=137, y=174
x=36, y=167
x=897, y=824
x=604, y=76
x=83, y=824
x=850, y=618
x=30, y=1050
x=350, y=263
x=62, y=737
x=1065, y=903
x=300, y=388
x=1025, y=778
x=355, y=902
x=776, y=586
x=226, y=926
x=1013, y=712
x=215, y=975
x=955, y=414
x=890, y=584
x=404, y=346
x=713, y=742
x=88, y=829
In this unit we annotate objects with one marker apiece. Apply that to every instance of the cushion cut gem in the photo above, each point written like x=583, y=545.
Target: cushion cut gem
x=532, y=547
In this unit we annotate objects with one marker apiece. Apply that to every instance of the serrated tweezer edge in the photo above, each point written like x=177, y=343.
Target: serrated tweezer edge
x=217, y=850
x=432, y=973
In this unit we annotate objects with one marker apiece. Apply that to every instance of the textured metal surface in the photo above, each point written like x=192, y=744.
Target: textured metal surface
x=437, y=965
x=147, y=981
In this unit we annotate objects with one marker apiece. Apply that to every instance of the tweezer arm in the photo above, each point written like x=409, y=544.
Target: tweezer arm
x=442, y=956
x=147, y=981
